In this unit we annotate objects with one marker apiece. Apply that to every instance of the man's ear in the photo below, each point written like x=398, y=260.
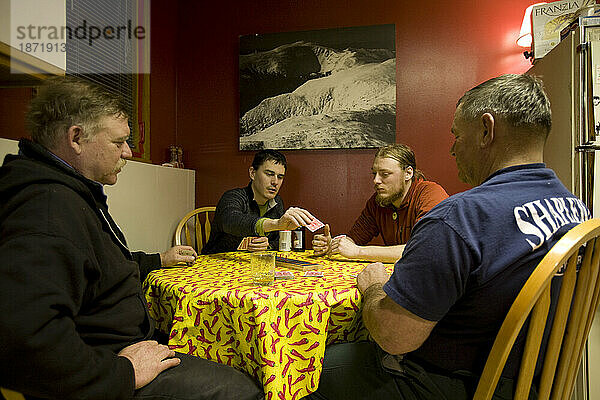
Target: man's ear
x=489, y=130
x=251, y=172
x=408, y=173
x=75, y=135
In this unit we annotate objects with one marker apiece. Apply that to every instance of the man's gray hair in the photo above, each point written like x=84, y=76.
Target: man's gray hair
x=63, y=102
x=518, y=99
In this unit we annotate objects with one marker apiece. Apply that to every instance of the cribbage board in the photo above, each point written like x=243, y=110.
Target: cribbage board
x=296, y=264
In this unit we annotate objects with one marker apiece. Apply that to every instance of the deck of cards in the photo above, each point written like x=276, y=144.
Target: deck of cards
x=244, y=243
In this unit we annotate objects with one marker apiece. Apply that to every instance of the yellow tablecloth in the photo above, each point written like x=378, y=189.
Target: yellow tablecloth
x=275, y=333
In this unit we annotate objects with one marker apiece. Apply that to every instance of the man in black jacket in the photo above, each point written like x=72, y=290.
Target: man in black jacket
x=73, y=320
x=255, y=211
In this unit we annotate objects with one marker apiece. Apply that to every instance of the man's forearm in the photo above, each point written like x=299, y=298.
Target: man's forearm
x=271, y=225
x=395, y=330
x=385, y=254
x=239, y=224
x=372, y=296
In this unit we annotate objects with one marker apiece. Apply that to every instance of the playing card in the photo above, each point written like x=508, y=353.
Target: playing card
x=284, y=275
x=315, y=225
x=315, y=274
x=244, y=244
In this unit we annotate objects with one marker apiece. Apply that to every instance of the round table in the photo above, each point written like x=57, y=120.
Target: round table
x=275, y=333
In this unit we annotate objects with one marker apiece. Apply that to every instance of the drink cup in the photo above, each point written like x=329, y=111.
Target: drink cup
x=262, y=267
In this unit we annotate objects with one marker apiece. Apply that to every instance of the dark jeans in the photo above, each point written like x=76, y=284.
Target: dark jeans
x=355, y=371
x=198, y=379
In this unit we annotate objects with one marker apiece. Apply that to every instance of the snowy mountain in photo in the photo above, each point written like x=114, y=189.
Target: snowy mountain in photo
x=303, y=95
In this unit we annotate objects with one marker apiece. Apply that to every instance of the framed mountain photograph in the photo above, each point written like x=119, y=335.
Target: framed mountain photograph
x=332, y=88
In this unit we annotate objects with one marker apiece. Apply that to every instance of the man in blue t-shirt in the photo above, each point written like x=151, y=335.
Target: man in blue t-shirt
x=435, y=319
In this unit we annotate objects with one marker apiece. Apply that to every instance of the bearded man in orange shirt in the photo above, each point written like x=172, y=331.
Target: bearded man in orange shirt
x=402, y=196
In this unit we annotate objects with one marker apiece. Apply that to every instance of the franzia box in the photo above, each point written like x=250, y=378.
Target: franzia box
x=548, y=20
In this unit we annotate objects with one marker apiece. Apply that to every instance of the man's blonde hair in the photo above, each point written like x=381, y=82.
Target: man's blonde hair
x=404, y=155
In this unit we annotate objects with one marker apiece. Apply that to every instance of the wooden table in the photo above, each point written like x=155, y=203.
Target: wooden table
x=275, y=333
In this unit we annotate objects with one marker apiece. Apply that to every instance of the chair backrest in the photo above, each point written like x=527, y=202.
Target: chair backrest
x=190, y=229
x=575, y=309
x=10, y=395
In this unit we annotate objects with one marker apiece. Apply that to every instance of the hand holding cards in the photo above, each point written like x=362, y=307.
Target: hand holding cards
x=291, y=219
x=253, y=243
x=322, y=242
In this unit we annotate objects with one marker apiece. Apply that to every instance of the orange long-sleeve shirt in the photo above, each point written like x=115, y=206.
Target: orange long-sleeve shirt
x=395, y=224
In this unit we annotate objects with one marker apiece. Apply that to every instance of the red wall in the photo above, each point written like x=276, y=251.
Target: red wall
x=13, y=107
x=443, y=49
x=163, y=78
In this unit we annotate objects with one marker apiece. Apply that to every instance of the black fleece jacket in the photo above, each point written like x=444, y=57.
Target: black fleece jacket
x=70, y=290
x=235, y=218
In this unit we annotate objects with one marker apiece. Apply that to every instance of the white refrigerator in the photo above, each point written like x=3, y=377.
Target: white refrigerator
x=571, y=76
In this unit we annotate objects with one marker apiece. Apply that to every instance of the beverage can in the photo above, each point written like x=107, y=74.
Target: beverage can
x=285, y=240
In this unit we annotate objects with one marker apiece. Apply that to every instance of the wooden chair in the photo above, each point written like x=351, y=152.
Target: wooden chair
x=573, y=318
x=10, y=394
x=189, y=230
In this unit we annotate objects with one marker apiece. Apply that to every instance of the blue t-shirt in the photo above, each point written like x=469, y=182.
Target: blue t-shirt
x=470, y=255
